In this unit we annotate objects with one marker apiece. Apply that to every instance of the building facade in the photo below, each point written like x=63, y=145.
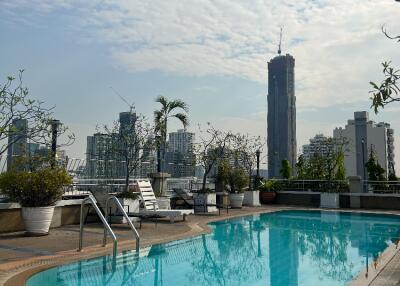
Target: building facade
x=364, y=135
x=105, y=153
x=180, y=157
x=17, y=141
x=281, y=133
x=317, y=145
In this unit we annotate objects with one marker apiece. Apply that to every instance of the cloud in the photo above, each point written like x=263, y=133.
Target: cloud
x=337, y=44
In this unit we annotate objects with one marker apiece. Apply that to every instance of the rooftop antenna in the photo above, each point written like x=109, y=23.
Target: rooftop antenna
x=280, y=42
x=131, y=106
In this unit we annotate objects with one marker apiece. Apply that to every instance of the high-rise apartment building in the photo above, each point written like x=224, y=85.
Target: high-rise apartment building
x=317, y=145
x=180, y=157
x=363, y=135
x=17, y=141
x=127, y=121
x=281, y=114
x=103, y=160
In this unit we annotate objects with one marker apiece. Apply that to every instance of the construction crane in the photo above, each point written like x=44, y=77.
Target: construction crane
x=131, y=106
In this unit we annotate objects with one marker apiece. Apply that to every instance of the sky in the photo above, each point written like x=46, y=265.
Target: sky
x=213, y=54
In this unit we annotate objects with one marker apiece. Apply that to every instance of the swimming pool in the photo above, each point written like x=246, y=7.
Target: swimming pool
x=284, y=248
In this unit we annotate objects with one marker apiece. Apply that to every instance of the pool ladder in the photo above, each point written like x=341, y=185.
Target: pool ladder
x=107, y=227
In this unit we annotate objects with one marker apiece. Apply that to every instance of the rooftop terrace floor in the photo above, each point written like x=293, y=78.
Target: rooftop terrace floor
x=21, y=256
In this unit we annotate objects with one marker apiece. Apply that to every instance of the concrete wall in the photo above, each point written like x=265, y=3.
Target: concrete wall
x=298, y=198
x=367, y=201
x=64, y=214
x=380, y=202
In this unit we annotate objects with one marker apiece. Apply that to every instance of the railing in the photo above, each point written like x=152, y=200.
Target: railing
x=107, y=227
x=191, y=184
x=121, y=209
x=382, y=187
x=83, y=187
x=312, y=185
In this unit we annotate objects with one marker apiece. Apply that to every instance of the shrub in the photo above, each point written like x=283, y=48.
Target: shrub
x=127, y=195
x=237, y=180
x=270, y=186
x=206, y=191
x=40, y=188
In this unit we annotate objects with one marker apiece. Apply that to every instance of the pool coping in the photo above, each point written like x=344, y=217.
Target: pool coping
x=17, y=273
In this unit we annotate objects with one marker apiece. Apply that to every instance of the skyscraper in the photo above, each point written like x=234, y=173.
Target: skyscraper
x=105, y=153
x=281, y=135
x=180, y=156
x=127, y=121
x=17, y=141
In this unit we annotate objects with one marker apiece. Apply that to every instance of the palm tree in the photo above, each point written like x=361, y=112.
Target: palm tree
x=161, y=120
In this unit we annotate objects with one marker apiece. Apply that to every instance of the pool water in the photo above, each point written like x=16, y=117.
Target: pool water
x=285, y=248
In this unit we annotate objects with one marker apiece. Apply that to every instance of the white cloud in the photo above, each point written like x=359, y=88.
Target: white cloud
x=337, y=44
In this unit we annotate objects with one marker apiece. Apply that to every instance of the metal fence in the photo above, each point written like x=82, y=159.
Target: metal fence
x=82, y=187
x=382, y=187
x=312, y=185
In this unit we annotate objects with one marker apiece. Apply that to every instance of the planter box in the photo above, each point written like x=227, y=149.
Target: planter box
x=267, y=197
x=164, y=203
x=129, y=205
x=200, y=199
x=236, y=200
x=251, y=198
x=330, y=200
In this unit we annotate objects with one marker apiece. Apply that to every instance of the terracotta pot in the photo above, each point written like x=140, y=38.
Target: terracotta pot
x=267, y=197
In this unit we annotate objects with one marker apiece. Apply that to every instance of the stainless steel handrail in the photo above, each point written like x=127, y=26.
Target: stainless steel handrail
x=107, y=227
x=119, y=206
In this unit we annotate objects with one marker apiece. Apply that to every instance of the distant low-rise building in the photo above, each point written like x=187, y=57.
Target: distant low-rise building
x=364, y=135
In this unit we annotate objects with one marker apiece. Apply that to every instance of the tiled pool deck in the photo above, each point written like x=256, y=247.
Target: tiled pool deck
x=21, y=256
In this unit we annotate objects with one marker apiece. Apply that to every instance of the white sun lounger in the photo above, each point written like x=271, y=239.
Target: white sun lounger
x=151, y=205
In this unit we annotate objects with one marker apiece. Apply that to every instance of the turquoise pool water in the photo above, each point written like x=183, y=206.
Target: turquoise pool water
x=285, y=248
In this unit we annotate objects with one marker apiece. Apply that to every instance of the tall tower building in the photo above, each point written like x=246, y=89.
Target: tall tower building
x=281, y=135
x=180, y=156
x=127, y=121
x=17, y=141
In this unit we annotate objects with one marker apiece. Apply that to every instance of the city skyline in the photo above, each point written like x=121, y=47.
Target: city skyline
x=219, y=68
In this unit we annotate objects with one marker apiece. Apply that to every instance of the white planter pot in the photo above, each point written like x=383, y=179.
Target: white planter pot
x=164, y=203
x=330, y=200
x=129, y=205
x=236, y=200
x=202, y=200
x=251, y=198
x=37, y=220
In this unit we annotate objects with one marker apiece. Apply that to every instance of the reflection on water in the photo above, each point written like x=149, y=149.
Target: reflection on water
x=286, y=248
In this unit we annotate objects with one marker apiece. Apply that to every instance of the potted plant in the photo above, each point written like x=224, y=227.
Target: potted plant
x=37, y=192
x=268, y=190
x=330, y=194
x=252, y=195
x=237, y=181
x=203, y=198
